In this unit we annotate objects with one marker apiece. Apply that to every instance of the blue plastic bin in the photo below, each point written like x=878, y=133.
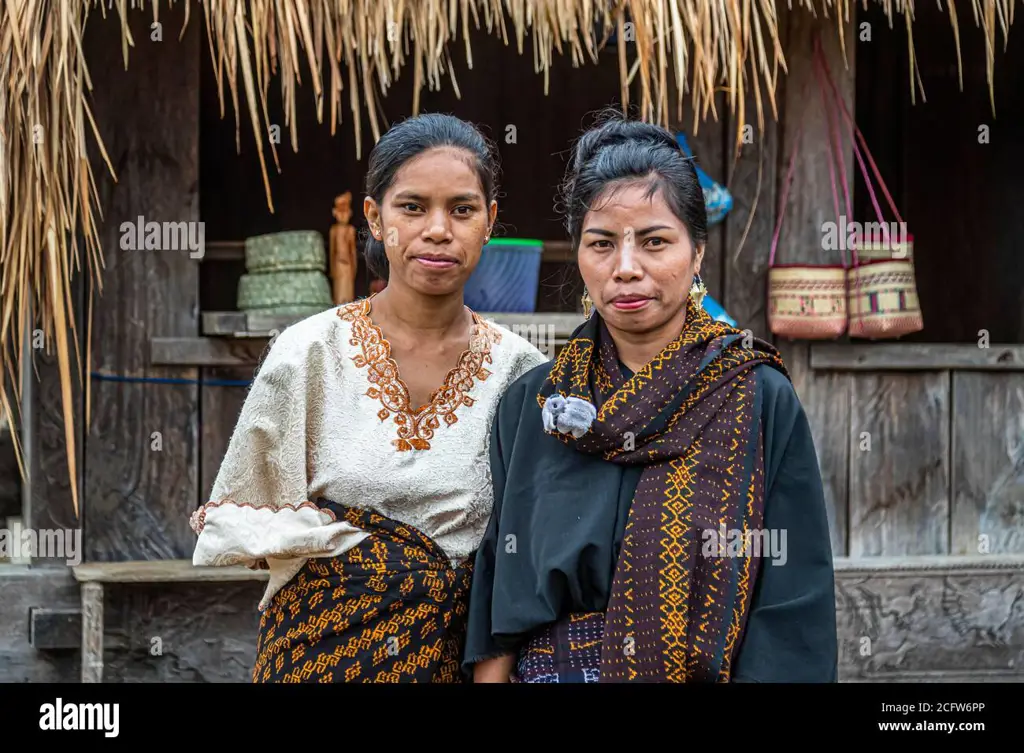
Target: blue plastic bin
x=714, y=308
x=506, y=277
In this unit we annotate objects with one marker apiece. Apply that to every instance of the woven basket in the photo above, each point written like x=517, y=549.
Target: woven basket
x=292, y=251
x=276, y=289
x=807, y=302
x=883, y=299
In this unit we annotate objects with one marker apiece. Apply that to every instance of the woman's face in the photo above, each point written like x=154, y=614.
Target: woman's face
x=433, y=221
x=637, y=260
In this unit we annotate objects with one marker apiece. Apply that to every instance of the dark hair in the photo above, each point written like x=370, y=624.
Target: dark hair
x=629, y=151
x=411, y=138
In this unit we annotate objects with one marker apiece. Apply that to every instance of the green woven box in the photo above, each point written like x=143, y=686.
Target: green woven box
x=291, y=251
x=292, y=289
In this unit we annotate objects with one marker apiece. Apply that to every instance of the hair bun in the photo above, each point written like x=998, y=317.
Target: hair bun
x=617, y=130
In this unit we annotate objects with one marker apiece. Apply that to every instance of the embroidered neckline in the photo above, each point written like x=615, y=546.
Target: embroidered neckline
x=416, y=426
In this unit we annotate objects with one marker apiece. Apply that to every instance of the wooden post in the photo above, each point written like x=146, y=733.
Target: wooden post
x=825, y=396
x=92, y=632
x=141, y=464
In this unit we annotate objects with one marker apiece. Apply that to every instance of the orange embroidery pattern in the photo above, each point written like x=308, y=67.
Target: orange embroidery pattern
x=416, y=427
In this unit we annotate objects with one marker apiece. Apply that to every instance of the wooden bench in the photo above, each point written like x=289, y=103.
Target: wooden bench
x=94, y=575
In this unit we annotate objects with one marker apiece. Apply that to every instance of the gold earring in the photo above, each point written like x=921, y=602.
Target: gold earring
x=698, y=290
x=588, y=304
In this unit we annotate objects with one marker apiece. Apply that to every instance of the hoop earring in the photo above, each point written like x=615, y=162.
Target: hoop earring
x=588, y=304
x=698, y=290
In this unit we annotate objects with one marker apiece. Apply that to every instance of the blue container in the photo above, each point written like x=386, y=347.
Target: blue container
x=505, y=279
x=714, y=308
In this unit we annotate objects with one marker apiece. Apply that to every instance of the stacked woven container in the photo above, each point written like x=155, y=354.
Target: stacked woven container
x=285, y=275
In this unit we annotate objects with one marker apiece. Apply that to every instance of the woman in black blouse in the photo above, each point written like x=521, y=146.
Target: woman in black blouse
x=659, y=513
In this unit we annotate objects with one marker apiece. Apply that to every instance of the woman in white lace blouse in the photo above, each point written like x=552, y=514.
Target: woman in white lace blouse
x=358, y=472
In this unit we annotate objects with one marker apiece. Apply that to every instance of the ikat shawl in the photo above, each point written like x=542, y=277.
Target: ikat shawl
x=691, y=418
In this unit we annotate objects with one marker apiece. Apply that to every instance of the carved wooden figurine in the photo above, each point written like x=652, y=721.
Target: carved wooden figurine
x=344, y=261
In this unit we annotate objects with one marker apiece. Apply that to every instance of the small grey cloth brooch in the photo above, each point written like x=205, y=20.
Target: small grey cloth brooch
x=569, y=415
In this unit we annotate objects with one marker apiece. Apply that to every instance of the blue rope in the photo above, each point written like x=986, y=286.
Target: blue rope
x=172, y=380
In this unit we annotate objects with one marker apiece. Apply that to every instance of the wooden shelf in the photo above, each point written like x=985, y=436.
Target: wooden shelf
x=239, y=324
x=162, y=571
x=206, y=351
x=892, y=356
x=238, y=339
x=224, y=251
x=554, y=251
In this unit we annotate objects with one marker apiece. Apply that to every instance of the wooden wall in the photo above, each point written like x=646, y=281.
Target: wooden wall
x=923, y=464
x=923, y=461
x=138, y=455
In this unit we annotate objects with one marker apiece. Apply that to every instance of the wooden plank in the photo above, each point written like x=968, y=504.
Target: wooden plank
x=930, y=619
x=51, y=629
x=243, y=352
x=236, y=323
x=240, y=324
x=92, y=632
x=899, y=465
x=825, y=397
x=205, y=351
x=915, y=357
x=50, y=504
x=826, y=402
x=141, y=461
x=916, y=566
x=180, y=632
x=988, y=463
x=559, y=252
x=554, y=251
x=161, y=571
x=224, y=251
x=749, y=227
x=221, y=406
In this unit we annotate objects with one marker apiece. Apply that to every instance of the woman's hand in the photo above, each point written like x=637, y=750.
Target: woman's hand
x=493, y=670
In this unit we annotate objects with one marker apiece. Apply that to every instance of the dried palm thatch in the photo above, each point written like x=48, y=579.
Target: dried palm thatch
x=48, y=200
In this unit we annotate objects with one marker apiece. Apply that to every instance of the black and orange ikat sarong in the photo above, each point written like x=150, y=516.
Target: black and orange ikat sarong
x=392, y=609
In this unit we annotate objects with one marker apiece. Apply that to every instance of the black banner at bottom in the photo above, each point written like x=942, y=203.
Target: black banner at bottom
x=107, y=714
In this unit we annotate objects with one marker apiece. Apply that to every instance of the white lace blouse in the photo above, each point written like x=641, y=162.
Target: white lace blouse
x=328, y=415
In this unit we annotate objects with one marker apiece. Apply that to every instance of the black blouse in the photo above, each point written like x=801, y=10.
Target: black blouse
x=558, y=522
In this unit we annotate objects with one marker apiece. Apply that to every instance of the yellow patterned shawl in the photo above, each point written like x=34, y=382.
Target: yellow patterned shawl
x=690, y=417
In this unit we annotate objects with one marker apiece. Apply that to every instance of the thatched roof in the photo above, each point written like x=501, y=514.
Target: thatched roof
x=345, y=54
